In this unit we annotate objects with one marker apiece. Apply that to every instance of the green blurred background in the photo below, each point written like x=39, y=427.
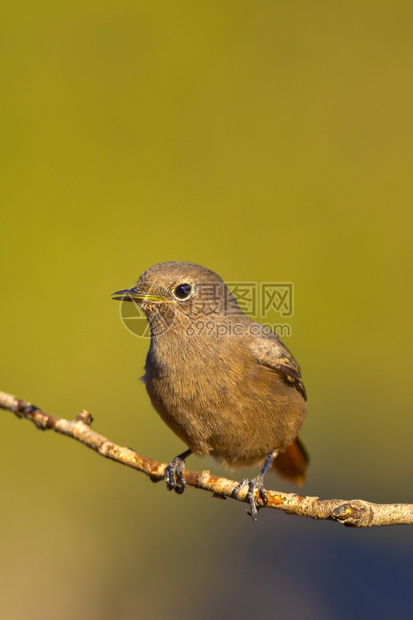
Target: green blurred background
x=268, y=141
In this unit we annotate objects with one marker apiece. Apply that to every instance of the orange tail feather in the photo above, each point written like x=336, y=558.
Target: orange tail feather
x=292, y=463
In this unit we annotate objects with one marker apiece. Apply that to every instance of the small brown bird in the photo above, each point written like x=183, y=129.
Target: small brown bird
x=226, y=385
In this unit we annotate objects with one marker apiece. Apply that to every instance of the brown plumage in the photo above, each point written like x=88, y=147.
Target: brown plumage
x=225, y=385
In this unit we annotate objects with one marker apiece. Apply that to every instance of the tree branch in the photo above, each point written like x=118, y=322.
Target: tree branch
x=356, y=513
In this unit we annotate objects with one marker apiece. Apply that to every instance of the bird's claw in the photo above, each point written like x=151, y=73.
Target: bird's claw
x=174, y=476
x=255, y=484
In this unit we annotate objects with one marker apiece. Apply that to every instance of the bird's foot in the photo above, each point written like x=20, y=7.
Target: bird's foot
x=255, y=484
x=174, y=476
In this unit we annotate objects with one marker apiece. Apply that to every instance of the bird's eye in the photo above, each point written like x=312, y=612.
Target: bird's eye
x=183, y=291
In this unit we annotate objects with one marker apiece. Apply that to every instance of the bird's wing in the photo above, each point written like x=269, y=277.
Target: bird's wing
x=271, y=352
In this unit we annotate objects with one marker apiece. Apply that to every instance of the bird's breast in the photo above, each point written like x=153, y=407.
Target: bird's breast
x=223, y=402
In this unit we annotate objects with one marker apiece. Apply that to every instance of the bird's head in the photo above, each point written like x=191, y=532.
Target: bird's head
x=180, y=291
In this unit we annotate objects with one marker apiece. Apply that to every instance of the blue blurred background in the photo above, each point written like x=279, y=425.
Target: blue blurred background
x=269, y=142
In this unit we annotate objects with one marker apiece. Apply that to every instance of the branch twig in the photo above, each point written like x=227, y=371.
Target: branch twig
x=356, y=513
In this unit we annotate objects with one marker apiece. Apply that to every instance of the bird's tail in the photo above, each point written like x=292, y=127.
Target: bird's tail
x=292, y=463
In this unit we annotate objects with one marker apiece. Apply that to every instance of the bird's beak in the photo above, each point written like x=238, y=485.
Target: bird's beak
x=134, y=294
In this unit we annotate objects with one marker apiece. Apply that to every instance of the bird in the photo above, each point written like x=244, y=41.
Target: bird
x=225, y=385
